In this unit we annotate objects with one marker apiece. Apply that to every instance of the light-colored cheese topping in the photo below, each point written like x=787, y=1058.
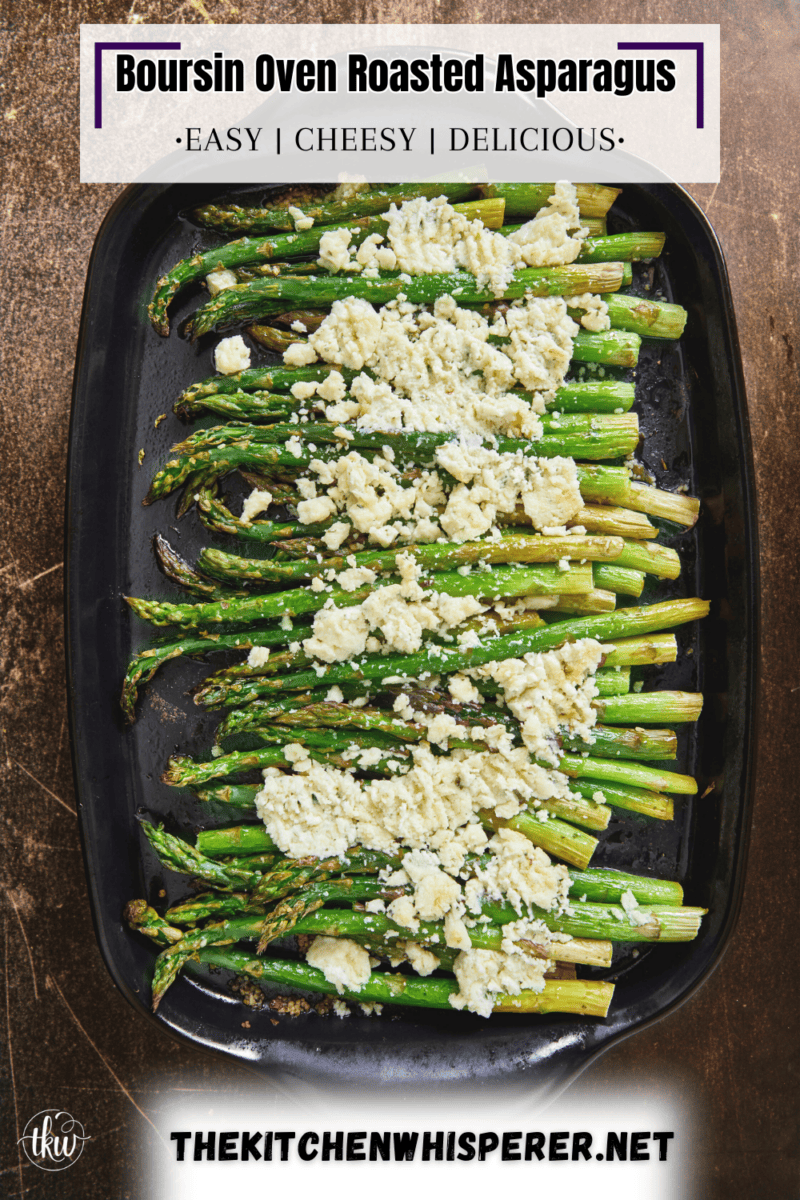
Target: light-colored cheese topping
x=402, y=612
x=342, y=962
x=595, y=316
x=301, y=221
x=258, y=656
x=438, y=370
x=554, y=236
x=217, y=281
x=257, y=502
x=377, y=501
x=549, y=691
x=322, y=810
x=484, y=974
x=448, y=369
x=428, y=237
x=232, y=355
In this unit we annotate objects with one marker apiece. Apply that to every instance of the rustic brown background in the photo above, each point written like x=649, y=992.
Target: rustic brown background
x=72, y=1040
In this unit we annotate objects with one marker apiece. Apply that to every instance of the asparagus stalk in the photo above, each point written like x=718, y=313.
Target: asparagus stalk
x=601, y=484
x=596, y=601
x=621, y=247
x=242, y=406
x=524, y=200
x=586, y=396
x=237, y=795
x=287, y=245
x=594, y=396
x=275, y=378
x=617, y=522
x=431, y=557
x=639, y=744
x=581, y=996
x=662, y=922
x=612, y=681
x=144, y=665
x=651, y=708
x=611, y=577
x=611, y=348
x=611, y=436
x=599, y=395
x=639, y=651
x=629, y=773
x=647, y=318
x=633, y=799
x=142, y=917
x=492, y=584
x=445, y=660
x=179, y=855
x=661, y=561
x=596, y=519
x=250, y=301
x=669, y=922
x=670, y=506
x=411, y=444
x=238, y=839
x=235, y=218
x=181, y=572
x=555, y=837
x=601, y=885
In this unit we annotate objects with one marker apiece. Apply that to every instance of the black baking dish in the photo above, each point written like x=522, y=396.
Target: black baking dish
x=692, y=410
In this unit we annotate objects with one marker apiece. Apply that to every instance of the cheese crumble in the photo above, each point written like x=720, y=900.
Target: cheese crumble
x=342, y=962
x=232, y=355
x=439, y=371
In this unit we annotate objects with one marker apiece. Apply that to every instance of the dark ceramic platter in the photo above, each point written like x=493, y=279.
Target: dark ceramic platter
x=691, y=403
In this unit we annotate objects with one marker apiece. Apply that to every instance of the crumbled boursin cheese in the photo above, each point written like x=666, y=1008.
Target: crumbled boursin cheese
x=633, y=912
x=490, y=483
x=375, y=257
x=541, y=334
x=431, y=237
x=232, y=355
x=342, y=962
x=595, y=315
x=555, y=234
x=438, y=371
x=518, y=872
x=217, y=281
x=258, y=657
x=257, y=502
x=463, y=690
x=484, y=974
x=301, y=221
x=334, y=252
x=322, y=810
x=349, y=335
x=550, y=691
x=423, y=961
x=370, y=495
x=402, y=612
x=333, y=388
x=299, y=354
x=348, y=189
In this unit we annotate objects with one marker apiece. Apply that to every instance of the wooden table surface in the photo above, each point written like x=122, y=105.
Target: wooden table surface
x=72, y=1039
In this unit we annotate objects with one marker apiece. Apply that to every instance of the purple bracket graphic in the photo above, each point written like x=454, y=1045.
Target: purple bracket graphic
x=698, y=46
x=99, y=47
